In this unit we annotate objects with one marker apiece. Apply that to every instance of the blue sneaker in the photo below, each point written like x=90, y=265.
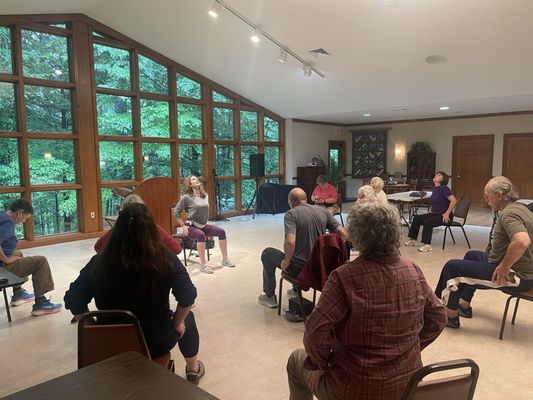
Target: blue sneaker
x=46, y=307
x=21, y=298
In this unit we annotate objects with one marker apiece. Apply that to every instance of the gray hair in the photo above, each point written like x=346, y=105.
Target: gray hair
x=377, y=181
x=504, y=186
x=375, y=229
x=366, y=193
x=131, y=199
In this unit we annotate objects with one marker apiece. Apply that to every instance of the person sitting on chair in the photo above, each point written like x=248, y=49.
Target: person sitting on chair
x=374, y=316
x=509, y=253
x=378, y=184
x=136, y=272
x=325, y=194
x=304, y=223
x=195, y=202
x=37, y=266
x=173, y=245
x=442, y=204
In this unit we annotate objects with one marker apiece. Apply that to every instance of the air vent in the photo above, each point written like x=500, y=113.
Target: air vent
x=319, y=53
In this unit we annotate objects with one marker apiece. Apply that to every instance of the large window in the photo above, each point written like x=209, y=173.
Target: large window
x=82, y=115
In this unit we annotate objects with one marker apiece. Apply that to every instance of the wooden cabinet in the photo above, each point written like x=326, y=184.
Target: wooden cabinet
x=306, y=178
x=420, y=166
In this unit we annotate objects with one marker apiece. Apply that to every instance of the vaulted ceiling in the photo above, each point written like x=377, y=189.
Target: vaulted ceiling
x=377, y=52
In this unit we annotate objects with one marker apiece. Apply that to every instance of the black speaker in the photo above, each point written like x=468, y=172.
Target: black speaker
x=257, y=165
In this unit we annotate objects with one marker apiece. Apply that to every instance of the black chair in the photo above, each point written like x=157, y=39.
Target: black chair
x=461, y=211
x=524, y=296
x=8, y=279
x=338, y=207
x=106, y=333
x=457, y=387
x=186, y=242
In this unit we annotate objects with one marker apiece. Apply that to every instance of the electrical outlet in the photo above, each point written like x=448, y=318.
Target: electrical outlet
x=93, y=215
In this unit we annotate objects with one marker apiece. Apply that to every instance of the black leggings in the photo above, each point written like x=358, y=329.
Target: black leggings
x=167, y=338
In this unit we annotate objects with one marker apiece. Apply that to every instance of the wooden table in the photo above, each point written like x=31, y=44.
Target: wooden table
x=126, y=376
x=390, y=188
x=12, y=280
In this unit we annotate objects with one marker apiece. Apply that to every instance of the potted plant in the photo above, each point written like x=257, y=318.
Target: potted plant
x=335, y=174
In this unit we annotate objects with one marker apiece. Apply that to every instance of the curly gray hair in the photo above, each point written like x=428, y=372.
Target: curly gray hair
x=505, y=187
x=374, y=229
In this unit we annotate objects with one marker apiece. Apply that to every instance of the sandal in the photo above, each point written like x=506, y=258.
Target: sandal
x=194, y=377
x=206, y=269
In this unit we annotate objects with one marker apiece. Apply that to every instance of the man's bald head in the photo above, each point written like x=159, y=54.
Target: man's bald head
x=297, y=196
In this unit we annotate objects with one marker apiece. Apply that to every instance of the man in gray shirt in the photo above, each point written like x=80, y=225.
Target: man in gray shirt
x=304, y=223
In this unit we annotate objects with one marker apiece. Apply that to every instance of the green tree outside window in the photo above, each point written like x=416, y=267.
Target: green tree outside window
x=45, y=56
x=116, y=161
x=114, y=115
x=248, y=126
x=54, y=212
x=6, y=63
x=271, y=130
x=8, y=116
x=156, y=160
x=5, y=201
x=153, y=77
x=271, y=160
x=189, y=121
x=223, y=123
x=155, y=118
x=48, y=109
x=186, y=87
x=220, y=98
x=9, y=162
x=227, y=195
x=111, y=67
x=224, y=160
x=245, y=159
x=51, y=161
x=247, y=190
x=191, y=160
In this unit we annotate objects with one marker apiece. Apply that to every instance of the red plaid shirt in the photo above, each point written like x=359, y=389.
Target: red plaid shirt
x=369, y=326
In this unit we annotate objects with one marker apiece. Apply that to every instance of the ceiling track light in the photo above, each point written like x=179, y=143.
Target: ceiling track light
x=266, y=35
x=282, y=55
x=256, y=35
x=308, y=69
x=215, y=9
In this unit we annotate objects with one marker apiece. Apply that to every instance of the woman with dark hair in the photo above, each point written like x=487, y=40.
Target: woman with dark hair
x=374, y=316
x=136, y=272
x=195, y=202
x=442, y=204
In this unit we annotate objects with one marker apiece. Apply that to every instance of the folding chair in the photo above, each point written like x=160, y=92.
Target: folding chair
x=186, y=242
x=461, y=211
x=524, y=296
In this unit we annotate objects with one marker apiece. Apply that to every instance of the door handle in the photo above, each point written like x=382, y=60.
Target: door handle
x=458, y=176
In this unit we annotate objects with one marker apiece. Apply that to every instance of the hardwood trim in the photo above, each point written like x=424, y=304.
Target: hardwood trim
x=114, y=92
x=50, y=83
x=52, y=135
x=57, y=239
x=8, y=78
x=308, y=121
x=42, y=27
x=55, y=187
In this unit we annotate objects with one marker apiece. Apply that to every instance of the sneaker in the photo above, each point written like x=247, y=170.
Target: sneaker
x=411, y=242
x=206, y=269
x=227, y=263
x=21, y=298
x=453, y=323
x=46, y=307
x=425, y=248
x=465, y=312
x=268, y=301
x=194, y=377
x=294, y=317
x=292, y=293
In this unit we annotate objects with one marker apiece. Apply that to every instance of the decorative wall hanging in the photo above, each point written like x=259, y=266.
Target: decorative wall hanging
x=369, y=152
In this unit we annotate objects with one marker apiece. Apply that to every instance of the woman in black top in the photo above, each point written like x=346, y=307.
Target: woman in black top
x=136, y=272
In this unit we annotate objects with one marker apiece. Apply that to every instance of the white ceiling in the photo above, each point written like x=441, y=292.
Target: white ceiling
x=377, y=52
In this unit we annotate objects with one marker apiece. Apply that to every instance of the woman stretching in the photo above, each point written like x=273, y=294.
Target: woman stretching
x=136, y=272
x=195, y=202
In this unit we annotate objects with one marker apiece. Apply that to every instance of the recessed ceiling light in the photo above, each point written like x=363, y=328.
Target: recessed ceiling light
x=366, y=115
x=255, y=36
x=435, y=59
x=444, y=108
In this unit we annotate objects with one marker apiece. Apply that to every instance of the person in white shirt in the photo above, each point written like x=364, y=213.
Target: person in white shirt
x=377, y=183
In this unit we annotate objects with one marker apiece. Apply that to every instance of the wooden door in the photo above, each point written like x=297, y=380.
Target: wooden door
x=472, y=166
x=518, y=162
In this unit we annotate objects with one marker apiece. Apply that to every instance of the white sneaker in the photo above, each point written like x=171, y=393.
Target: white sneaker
x=425, y=248
x=206, y=269
x=227, y=263
x=411, y=242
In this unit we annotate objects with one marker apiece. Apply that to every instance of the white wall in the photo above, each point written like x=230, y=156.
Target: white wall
x=313, y=139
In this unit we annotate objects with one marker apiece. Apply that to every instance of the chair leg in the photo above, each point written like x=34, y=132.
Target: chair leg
x=504, y=318
x=342, y=221
x=314, y=297
x=451, y=234
x=466, y=237
x=7, y=305
x=444, y=239
x=279, y=296
x=515, y=310
x=300, y=299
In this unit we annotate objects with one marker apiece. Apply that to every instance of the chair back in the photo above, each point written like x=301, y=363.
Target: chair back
x=106, y=333
x=329, y=253
x=461, y=210
x=412, y=184
x=457, y=387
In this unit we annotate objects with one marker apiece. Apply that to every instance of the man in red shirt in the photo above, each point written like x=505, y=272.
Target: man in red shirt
x=374, y=316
